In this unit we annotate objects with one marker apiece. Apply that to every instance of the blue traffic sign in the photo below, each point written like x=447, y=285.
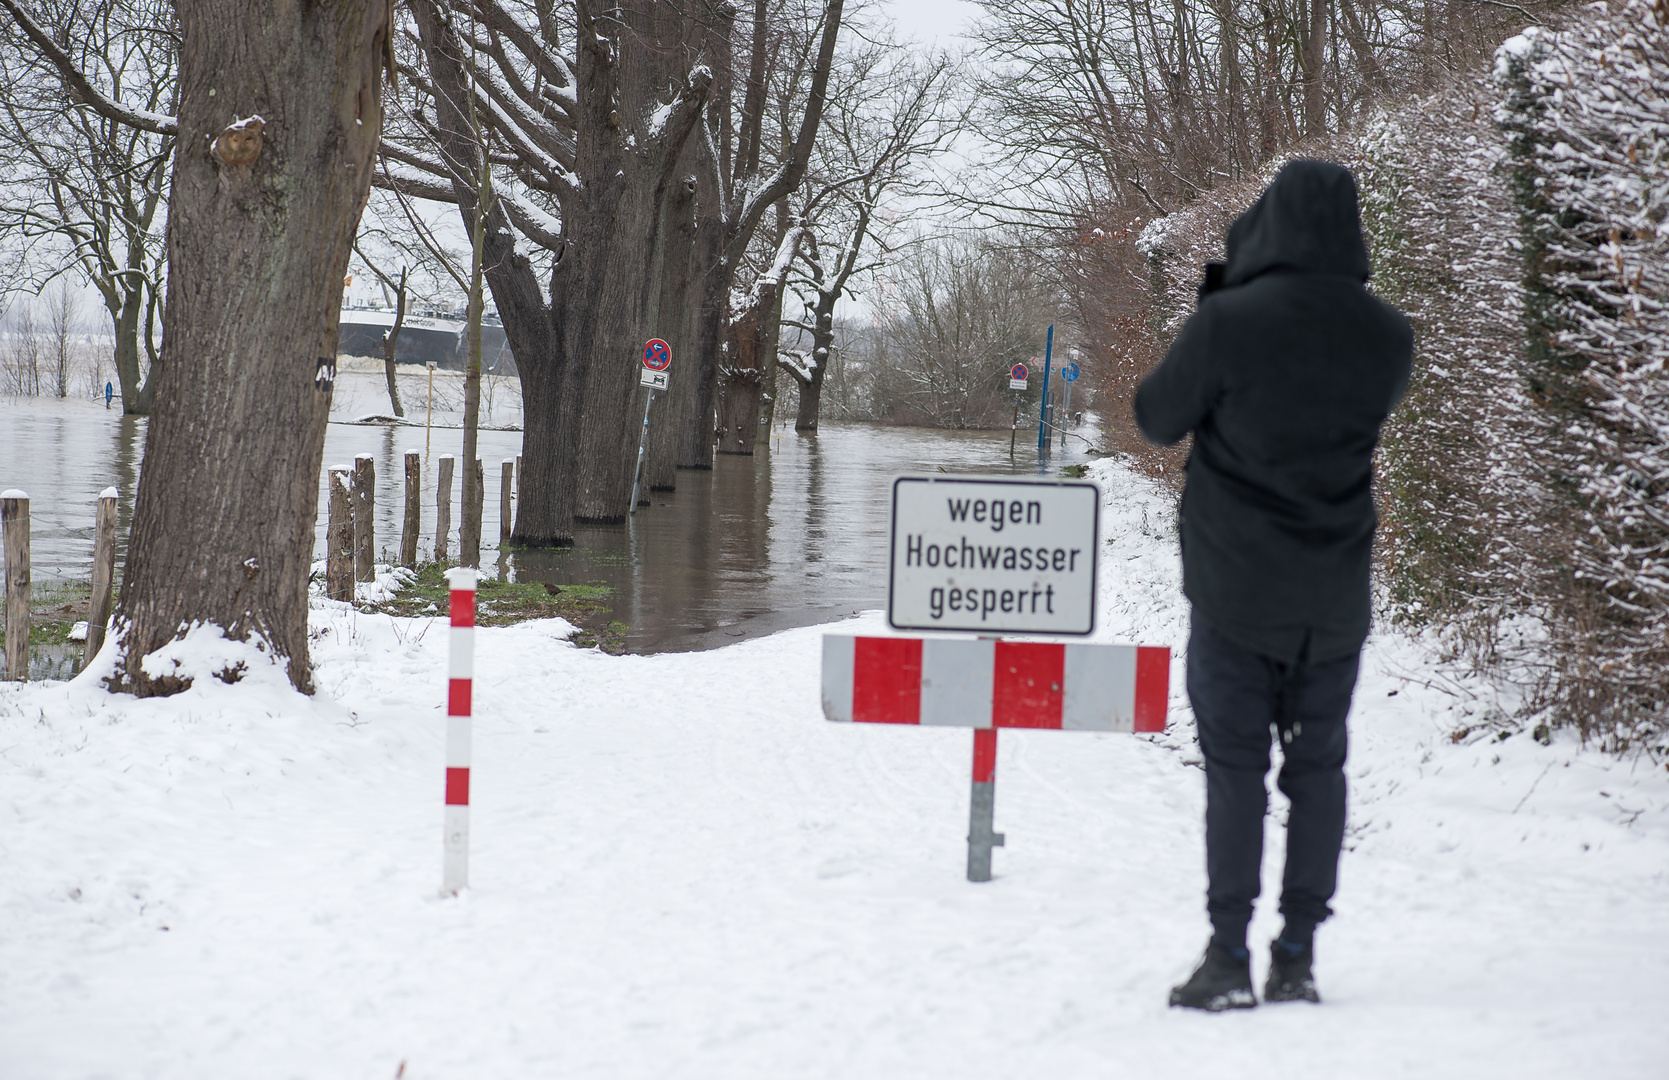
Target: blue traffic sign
x=1070, y=373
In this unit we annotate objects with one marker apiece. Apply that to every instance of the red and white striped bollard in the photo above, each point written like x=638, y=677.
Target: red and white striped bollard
x=460, y=680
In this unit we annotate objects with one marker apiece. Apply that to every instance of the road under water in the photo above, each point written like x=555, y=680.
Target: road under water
x=792, y=536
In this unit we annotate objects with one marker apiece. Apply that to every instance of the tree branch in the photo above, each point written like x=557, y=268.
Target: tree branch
x=80, y=89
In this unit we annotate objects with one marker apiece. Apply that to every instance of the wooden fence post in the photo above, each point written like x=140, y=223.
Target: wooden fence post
x=365, y=518
x=339, y=538
x=443, y=507
x=104, y=573
x=414, y=509
x=14, y=522
x=468, y=557
x=506, y=500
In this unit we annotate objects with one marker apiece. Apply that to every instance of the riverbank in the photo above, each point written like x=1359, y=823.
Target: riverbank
x=679, y=869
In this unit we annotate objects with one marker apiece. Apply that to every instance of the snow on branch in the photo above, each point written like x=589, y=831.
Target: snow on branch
x=80, y=88
x=1587, y=109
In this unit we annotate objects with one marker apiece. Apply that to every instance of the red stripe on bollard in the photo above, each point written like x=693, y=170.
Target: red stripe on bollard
x=457, y=696
x=457, y=787
x=1153, y=687
x=1027, y=687
x=985, y=755
x=886, y=681
x=463, y=607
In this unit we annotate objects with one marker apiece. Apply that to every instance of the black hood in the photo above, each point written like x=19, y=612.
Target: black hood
x=1305, y=221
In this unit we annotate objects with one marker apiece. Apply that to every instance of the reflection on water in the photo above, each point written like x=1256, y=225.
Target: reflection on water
x=792, y=536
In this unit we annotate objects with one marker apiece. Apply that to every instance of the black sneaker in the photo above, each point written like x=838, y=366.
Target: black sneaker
x=1290, y=977
x=1220, y=982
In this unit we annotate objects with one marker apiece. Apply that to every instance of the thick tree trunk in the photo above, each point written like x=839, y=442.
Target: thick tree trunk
x=710, y=284
x=742, y=380
x=811, y=399
x=676, y=323
x=579, y=440
x=261, y=219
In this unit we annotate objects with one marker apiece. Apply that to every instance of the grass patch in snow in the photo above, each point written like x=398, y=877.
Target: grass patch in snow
x=54, y=609
x=506, y=603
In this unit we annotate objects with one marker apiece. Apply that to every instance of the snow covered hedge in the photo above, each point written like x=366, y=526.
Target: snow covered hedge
x=1517, y=217
x=1587, y=111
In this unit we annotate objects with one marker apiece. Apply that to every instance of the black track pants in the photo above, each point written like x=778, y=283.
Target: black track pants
x=1238, y=696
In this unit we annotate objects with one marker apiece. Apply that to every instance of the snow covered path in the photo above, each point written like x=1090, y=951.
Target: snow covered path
x=680, y=870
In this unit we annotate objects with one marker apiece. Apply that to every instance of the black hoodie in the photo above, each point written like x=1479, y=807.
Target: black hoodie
x=1284, y=376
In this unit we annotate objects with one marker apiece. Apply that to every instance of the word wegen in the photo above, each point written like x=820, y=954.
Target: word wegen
x=993, y=555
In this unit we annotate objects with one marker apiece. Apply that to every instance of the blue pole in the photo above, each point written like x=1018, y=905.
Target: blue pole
x=1043, y=407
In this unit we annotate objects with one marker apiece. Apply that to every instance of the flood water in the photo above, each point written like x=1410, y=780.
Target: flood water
x=792, y=536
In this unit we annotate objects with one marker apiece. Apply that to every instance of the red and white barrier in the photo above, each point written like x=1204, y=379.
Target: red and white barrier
x=995, y=684
x=459, y=683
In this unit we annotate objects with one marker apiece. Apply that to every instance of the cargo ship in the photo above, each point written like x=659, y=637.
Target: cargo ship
x=427, y=336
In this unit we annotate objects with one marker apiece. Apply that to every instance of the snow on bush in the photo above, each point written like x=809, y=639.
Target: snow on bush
x=1587, y=109
x=1524, y=481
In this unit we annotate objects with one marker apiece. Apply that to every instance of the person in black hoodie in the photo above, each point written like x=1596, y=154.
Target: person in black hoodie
x=1283, y=375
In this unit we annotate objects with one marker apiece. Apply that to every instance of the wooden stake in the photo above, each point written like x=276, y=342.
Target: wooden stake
x=104, y=573
x=470, y=545
x=414, y=509
x=14, y=522
x=339, y=537
x=506, y=500
x=365, y=518
x=443, y=507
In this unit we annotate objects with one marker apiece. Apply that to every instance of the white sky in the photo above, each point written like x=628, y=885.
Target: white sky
x=932, y=22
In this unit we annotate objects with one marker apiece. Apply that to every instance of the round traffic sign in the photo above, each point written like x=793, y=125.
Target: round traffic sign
x=1018, y=373
x=657, y=355
x=1070, y=373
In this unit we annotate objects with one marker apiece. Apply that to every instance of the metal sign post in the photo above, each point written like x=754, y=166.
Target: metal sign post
x=657, y=357
x=988, y=685
x=1069, y=373
x=1016, y=381
x=1043, y=401
x=993, y=555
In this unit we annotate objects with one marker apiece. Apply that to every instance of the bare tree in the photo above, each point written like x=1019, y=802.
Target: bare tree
x=264, y=204
x=963, y=313
x=61, y=319
x=22, y=352
x=1127, y=104
x=890, y=113
x=81, y=184
x=586, y=118
x=390, y=343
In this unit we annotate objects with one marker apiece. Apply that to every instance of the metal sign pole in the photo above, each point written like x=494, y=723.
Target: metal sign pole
x=642, y=441
x=1043, y=401
x=982, y=806
x=1066, y=414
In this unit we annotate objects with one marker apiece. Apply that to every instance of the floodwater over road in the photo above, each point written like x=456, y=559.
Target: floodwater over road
x=795, y=535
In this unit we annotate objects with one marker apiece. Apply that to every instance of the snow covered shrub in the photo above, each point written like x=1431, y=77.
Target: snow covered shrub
x=1442, y=229
x=1587, y=111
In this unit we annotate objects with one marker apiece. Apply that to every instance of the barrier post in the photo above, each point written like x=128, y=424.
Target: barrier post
x=982, y=806
x=104, y=572
x=339, y=536
x=414, y=510
x=506, y=500
x=460, y=583
x=365, y=517
x=443, y=507
x=14, y=522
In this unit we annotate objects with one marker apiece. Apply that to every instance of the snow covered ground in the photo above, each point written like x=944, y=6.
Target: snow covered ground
x=679, y=869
